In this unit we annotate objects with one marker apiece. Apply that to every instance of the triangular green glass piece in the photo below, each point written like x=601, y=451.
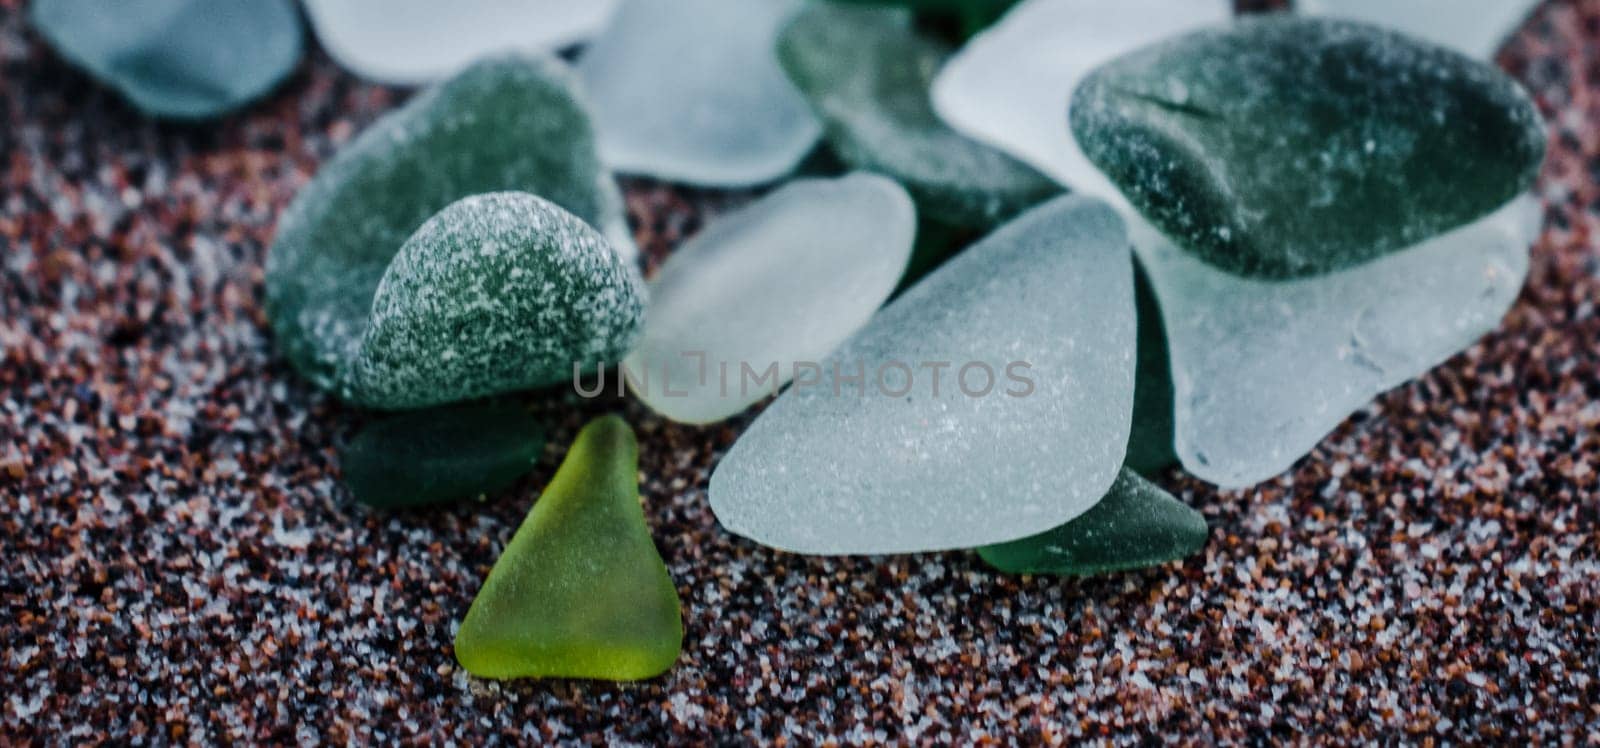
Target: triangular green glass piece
x=1136, y=525
x=580, y=591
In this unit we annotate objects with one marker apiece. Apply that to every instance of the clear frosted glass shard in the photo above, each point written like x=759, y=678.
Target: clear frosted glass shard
x=784, y=280
x=420, y=41
x=184, y=59
x=690, y=91
x=1010, y=85
x=890, y=465
x=1474, y=27
x=1263, y=370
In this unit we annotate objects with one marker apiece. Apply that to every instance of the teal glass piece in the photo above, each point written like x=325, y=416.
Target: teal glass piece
x=441, y=454
x=867, y=73
x=1284, y=147
x=1136, y=525
x=507, y=123
x=1150, y=442
x=499, y=292
x=182, y=59
x=989, y=401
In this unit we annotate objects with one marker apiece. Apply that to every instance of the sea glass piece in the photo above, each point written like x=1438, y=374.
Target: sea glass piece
x=690, y=91
x=1150, y=441
x=510, y=123
x=1284, y=147
x=1474, y=27
x=421, y=41
x=866, y=73
x=973, y=15
x=766, y=290
x=1262, y=370
x=441, y=454
x=1135, y=526
x=1010, y=85
x=184, y=59
x=499, y=292
x=936, y=243
x=580, y=591
x=905, y=444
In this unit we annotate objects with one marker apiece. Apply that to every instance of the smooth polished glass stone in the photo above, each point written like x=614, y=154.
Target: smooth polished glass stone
x=499, y=292
x=1135, y=526
x=580, y=591
x=1010, y=85
x=184, y=59
x=1474, y=27
x=988, y=402
x=421, y=41
x=867, y=73
x=1285, y=147
x=784, y=280
x=1263, y=370
x=690, y=91
x=510, y=123
x=441, y=454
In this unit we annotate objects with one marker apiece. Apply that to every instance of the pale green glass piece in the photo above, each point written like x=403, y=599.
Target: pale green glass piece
x=904, y=459
x=1263, y=370
x=420, y=41
x=783, y=281
x=689, y=91
x=1474, y=27
x=183, y=59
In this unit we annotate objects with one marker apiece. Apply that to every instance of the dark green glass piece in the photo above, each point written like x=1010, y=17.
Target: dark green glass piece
x=1136, y=525
x=972, y=15
x=936, y=243
x=867, y=74
x=1150, y=447
x=1284, y=147
x=503, y=124
x=443, y=454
